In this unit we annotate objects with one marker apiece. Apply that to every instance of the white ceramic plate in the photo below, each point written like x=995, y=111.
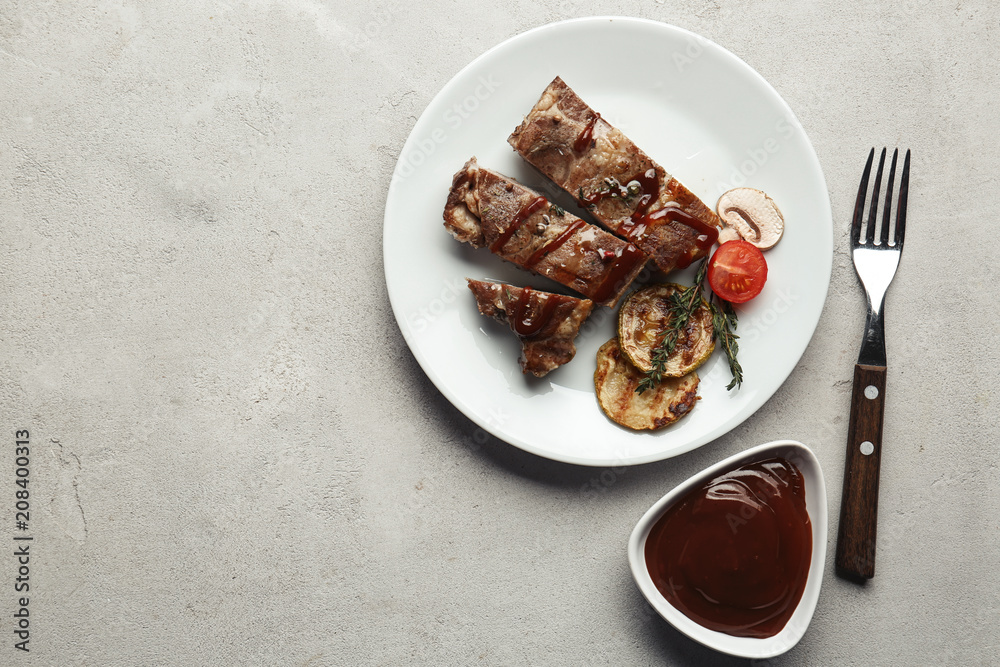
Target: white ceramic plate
x=698, y=110
x=747, y=647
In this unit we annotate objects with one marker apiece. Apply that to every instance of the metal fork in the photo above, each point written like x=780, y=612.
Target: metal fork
x=875, y=260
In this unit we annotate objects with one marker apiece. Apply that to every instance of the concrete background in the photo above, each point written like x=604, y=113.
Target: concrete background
x=236, y=460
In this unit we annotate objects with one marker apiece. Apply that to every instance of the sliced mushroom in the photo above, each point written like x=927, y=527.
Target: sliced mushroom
x=751, y=215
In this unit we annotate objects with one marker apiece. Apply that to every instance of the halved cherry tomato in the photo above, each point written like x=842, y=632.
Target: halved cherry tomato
x=737, y=271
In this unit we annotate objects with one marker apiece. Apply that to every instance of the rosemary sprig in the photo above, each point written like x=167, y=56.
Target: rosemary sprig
x=724, y=322
x=683, y=305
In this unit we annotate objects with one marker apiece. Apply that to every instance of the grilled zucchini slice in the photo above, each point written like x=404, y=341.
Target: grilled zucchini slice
x=615, y=381
x=643, y=320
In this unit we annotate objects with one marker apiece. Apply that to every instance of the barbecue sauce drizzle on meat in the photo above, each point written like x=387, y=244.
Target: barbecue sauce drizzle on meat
x=554, y=244
x=619, y=270
x=523, y=321
x=522, y=216
x=649, y=191
x=706, y=238
x=582, y=142
x=641, y=219
x=622, y=266
x=526, y=212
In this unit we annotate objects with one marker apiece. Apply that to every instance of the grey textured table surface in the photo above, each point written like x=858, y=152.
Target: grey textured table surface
x=236, y=460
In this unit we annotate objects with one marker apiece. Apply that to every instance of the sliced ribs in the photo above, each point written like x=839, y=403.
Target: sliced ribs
x=487, y=209
x=546, y=323
x=623, y=187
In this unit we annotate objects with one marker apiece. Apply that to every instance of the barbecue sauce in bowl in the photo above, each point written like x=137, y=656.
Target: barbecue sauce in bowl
x=733, y=554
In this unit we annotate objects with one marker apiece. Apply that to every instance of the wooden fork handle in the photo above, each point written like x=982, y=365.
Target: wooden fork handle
x=859, y=503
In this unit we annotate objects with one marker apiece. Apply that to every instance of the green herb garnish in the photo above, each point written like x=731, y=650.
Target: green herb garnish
x=724, y=323
x=683, y=305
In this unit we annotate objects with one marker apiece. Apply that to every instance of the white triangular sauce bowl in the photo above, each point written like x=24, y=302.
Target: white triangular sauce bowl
x=747, y=647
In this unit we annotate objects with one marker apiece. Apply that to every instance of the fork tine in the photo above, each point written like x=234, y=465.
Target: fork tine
x=859, y=205
x=872, y=218
x=904, y=188
x=886, y=220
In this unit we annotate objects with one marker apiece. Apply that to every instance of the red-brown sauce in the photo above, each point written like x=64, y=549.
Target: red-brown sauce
x=554, y=244
x=529, y=209
x=623, y=265
x=582, y=142
x=527, y=320
x=642, y=220
x=649, y=192
x=734, y=554
x=707, y=234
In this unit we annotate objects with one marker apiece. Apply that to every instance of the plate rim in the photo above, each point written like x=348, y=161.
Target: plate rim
x=461, y=404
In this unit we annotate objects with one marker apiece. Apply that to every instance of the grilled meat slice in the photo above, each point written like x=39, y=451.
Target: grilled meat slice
x=487, y=209
x=623, y=187
x=546, y=323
